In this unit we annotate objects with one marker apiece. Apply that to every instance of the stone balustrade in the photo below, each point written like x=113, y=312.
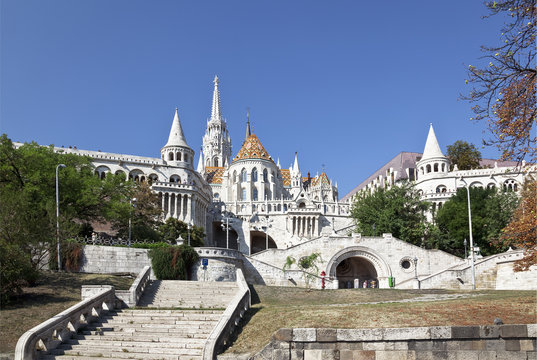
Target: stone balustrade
x=220, y=336
x=49, y=334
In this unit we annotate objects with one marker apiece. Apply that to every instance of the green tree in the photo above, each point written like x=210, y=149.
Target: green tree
x=173, y=228
x=397, y=210
x=491, y=212
x=464, y=154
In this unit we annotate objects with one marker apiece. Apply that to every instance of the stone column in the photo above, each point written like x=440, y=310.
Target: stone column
x=193, y=207
x=170, y=205
x=177, y=206
x=188, y=208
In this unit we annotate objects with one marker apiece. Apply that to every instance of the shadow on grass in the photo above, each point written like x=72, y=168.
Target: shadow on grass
x=28, y=300
x=254, y=296
x=245, y=320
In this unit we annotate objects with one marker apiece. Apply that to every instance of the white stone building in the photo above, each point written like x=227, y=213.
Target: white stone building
x=430, y=171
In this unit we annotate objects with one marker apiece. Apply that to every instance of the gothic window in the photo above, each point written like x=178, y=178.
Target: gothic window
x=443, y=167
x=265, y=175
x=178, y=157
x=216, y=162
x=243, y=194
x=235, y=176
x=175, y=179
x=510, y=185
x=440, y=189
x=243, y=175
x=254, y=194
x=254, y=175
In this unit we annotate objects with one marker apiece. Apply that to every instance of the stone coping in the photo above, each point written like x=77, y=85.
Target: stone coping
x=403, y=334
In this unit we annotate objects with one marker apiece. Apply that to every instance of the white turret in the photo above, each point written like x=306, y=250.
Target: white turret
x=200, y=168
x=296, y=177
x=216, y=141
x=433, y=162
x=176, y=151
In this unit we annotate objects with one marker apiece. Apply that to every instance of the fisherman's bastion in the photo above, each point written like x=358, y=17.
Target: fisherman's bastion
x=257, y=213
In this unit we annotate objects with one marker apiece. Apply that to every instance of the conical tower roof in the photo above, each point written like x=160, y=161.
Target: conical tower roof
x=177, y=137
x=215, y=110
x=252, y=149
x=432, y=148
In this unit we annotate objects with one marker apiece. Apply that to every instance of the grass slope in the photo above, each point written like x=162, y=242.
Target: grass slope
x=276, y=307
x=54, y=293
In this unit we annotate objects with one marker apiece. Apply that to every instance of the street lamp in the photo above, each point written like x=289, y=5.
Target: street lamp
x=131, y=205
x=225, y=226
x=471, y=237
x=58, y=217
x=189, y=226
x=416, y=271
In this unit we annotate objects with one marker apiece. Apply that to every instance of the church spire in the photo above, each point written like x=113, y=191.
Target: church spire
x=248, y=131
x=176, y=137
x=296, y=169
x=200, y=167
x=215, y=111
x=432, y=148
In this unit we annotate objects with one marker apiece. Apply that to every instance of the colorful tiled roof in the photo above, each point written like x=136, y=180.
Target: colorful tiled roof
x=286, y=177
x=252, y=149
x=320, y=180
x=214, y=174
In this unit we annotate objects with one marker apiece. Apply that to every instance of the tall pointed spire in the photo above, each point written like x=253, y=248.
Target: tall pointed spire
x=296, y=169
x=177, y=137
x=215, y=111
x=248, y=131
x=200, y=167
x=432, y=148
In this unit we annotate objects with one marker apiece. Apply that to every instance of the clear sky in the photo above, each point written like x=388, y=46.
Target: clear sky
x=348, y=84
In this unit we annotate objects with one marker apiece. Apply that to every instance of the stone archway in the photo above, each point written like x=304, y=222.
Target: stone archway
x=358, y=262
x=258, y=242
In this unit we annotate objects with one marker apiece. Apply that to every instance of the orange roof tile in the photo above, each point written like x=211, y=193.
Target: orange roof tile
x=213, y=174
x=286, y=177
x=252, y=149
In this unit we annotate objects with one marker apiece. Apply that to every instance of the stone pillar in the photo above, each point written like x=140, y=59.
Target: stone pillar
x=177, y=206
x=193, y=207
x=170, y=212
x=188, y=208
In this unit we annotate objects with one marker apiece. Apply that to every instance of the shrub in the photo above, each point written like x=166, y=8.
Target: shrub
x=16, y=270
x=172, y=262
x=71, y=256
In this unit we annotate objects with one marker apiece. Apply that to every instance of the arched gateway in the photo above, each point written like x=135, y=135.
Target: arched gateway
x=356, y=264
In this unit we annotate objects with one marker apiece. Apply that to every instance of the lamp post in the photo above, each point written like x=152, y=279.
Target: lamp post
x=225, y=226
x=465, y=244
x=471, y=237
x=189, y=226
x=265, y=230
x=58, y=217
x=416, y=271
x=131, y=201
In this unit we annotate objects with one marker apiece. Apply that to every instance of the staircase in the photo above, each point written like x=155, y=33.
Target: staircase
x=172, y=321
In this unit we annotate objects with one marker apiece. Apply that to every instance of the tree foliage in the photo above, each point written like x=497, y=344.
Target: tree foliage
x=397, y=210
x=464, y=154
x=172, y=262
x=491, y=212
x=522, y=230
x=173, y=228
x=504, y=91
x=308, y=265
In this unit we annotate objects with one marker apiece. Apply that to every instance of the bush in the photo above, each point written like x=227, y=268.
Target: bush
x=154, y=245
x=172, y=262
x=71, y=256
x=16, y=271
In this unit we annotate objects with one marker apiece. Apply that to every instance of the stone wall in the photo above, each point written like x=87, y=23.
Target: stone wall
x=113, y=259
x=439, y=342
x=222, y=264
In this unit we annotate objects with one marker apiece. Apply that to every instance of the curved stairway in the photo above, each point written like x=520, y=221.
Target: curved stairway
x=172, y=321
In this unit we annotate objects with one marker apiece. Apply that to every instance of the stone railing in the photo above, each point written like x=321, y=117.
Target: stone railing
x=230, y=319
x=49, y=334
x=130, y=297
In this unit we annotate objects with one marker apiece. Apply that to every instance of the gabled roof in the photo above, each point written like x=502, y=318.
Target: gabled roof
x=252, y=149
x=320, y=180
x=214, y=174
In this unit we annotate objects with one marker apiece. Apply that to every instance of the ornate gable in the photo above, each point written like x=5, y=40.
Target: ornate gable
x=252, y=149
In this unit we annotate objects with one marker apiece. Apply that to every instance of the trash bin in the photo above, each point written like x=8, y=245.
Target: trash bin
x=391, y=281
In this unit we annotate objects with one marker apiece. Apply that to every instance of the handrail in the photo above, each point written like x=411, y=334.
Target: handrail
x=229, y=319
x=132, y=296
x=49, y=334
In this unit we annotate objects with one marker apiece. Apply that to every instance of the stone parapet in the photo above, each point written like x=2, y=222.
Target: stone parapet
x=437, y=342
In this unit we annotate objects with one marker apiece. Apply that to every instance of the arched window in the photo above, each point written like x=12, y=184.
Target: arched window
x=254, y=175
x=443, y=167
x=175, y=179
x=441, y=189
x=216, y=162
x=435, y=167
x=186, y=157
x=254, y=194
x=428, y=168
x=243, y=194
x=170, y=156
x=510, y=185
x=265, y=175
x=178, y=157
x=244, y=176
x=235, y=176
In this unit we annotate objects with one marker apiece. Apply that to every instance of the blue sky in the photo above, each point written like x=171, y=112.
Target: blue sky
x=347, y=84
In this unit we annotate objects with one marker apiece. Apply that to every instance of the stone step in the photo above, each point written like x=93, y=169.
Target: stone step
x=188, y=343
x=160, y=320
x=100, y=357
x=139, y=336
x=101, y=352
x=104, y=349
x=150, y=329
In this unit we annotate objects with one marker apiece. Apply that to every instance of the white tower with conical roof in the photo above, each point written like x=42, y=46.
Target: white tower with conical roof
x=216, y=141
x=176, y=151
x=433, y=162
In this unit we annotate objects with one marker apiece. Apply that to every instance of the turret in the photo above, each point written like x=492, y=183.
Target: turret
x=176, y=151
x=433, y=162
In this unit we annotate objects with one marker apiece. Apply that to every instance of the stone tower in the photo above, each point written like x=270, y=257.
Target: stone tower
x=216, y=141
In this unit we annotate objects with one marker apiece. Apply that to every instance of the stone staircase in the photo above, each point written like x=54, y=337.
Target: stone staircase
x=173, y=320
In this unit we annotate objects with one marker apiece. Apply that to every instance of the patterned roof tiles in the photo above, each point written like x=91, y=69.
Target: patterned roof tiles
x=214, y=174
x=286, y=177
x=252, y=149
